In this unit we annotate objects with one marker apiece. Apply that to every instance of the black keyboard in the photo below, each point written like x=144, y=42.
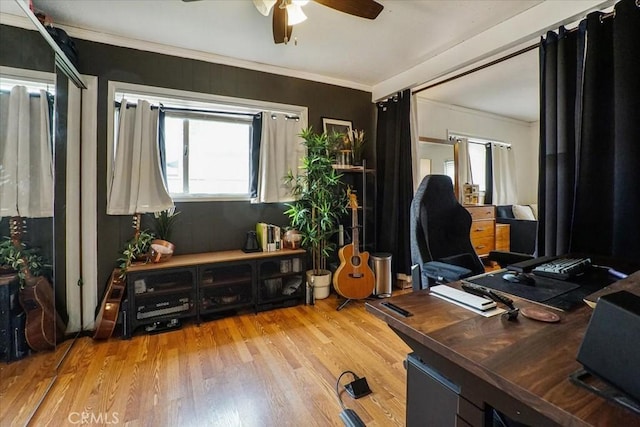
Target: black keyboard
x=563, y=268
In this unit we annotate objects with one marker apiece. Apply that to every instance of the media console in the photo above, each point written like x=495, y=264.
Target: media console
x=211, y=284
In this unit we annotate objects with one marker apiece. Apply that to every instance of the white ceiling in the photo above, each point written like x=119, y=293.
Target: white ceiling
x=331, y=46
x=509, y=88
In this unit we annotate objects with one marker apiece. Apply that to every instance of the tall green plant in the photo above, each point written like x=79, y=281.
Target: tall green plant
x=320, y=197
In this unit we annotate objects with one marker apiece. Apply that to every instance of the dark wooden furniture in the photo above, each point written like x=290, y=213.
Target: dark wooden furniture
x=213, y=283
x=13, y=343
x=520, y=368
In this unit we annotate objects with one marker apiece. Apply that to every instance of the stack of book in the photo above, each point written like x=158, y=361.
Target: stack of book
x=269, y=237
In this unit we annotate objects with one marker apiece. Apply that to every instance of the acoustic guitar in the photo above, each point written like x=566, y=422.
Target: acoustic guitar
x=108, y=314
x=43, y=326
x=353, y=279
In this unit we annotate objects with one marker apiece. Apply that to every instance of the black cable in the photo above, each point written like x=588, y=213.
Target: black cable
x=338, y=386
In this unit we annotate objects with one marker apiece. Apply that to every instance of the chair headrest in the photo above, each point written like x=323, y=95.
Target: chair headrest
x=437, y=189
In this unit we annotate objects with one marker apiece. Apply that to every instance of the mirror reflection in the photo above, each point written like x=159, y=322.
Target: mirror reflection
x=497, y=108
x=35, y=333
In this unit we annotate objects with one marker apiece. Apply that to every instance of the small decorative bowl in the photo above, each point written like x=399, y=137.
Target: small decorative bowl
x=161, y=250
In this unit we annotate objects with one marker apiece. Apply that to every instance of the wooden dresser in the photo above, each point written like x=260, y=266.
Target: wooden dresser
x=503, y=232
x=484, y=236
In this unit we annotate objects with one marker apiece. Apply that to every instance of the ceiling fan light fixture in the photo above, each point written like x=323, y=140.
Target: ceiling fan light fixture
x=295, y=15
x=264, y=6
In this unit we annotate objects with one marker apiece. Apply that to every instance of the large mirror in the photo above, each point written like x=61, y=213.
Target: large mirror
x=497, y=103
x=36, y=330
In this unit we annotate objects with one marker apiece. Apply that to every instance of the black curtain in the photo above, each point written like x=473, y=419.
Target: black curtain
x=254, y=154
x=488, y=180
x=561, y=77
x=162, y=145
x=395, y=180
x=590, y=137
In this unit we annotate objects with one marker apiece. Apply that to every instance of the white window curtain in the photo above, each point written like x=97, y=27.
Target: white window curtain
x=464, y=166
x=415, y=141
x=137, y=185
x=281, y=150
x=26, y=156
x=504, y=177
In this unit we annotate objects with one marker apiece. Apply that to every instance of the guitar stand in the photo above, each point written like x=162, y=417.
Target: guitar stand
x=348, y=300
x=344, y=303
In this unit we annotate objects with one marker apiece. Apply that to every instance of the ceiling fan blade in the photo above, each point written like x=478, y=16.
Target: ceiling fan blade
x=369, y=9
x=281, y=31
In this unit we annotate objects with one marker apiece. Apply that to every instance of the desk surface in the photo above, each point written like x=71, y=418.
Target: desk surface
x=527, y=360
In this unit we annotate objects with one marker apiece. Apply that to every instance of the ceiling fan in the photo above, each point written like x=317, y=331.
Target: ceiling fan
x=287, y=13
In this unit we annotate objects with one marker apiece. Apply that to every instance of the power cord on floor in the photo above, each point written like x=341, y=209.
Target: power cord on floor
x=356, y=389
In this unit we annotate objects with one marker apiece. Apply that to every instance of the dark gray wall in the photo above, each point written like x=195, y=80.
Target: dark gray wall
x=203, y=226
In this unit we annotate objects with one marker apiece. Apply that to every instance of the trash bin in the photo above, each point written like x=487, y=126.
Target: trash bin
x=381, y=266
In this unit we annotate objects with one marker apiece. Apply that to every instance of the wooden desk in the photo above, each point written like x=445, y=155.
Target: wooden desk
x=520, y=368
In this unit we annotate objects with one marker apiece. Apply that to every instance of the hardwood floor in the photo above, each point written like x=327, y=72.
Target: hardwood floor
x=276, y=368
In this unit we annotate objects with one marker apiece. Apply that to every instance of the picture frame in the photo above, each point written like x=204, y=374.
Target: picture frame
x=336, y=126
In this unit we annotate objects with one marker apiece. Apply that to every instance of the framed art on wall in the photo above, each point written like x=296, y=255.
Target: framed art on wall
x=336, y=126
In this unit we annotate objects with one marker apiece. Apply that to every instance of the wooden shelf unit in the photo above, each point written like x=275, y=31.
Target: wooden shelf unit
x=220, y=283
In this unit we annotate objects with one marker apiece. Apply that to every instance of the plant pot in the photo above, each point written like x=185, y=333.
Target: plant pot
x=321, y=283
x=161, y=250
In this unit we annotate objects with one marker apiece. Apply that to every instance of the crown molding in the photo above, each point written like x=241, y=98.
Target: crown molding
x=480, y=113
x=110, y=39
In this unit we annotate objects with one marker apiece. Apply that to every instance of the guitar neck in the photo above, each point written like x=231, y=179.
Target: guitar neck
x=354, y=232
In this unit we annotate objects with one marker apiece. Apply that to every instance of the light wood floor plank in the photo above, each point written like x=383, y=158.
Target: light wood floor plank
x=276, y=368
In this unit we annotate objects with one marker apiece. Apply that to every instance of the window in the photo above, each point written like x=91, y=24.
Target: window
x=450, y=169
x=478, y=161
x=207, y=154
x=207, y=139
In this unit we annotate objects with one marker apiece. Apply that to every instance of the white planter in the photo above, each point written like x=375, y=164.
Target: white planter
x=321, y=283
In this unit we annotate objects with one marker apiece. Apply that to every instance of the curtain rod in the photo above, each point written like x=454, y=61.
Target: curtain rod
x=197, y=110
x=478, y=68
x=482, y=141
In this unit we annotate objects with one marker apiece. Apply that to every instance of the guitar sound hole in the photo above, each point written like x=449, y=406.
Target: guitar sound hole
x=115, y=294
x=355, y=260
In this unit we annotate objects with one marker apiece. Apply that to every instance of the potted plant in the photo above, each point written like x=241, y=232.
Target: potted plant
x=356, y=140
x=137, y=248
x=320, y=203
x=162, y=248
x=18, y=258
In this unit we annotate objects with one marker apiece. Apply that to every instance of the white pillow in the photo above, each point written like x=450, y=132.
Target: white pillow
x=534, y=208
x=523, y=212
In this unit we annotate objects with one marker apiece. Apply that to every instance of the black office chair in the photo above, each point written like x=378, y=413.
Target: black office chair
x=440, y=227
x=440, y=230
